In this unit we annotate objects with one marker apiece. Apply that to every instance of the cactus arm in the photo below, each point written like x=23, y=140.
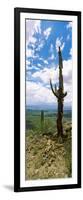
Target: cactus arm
x=65, y=94
x=53, y=89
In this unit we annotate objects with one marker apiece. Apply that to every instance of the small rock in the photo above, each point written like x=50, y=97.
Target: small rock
x=36, y=171
x=49, y=142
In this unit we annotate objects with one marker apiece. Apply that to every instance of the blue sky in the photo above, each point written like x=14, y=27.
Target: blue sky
x=43, y=37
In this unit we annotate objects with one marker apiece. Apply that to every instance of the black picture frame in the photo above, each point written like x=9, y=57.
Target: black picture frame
x=17, y=12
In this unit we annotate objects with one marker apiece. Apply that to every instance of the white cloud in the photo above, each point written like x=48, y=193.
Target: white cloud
x=41, y=59
x=37, y=26
x=59, y=43
x=45, y=61
x=35, y=56
x=62, y=46
x=32, y=26
x=29, y=29
x=69, y=25
x=70, y=52
x=52, y=57
x=47, y=32
x=27, y=62
x=31, y=68
x=68, y=37
x=40, y=45
x=33, y=40
x=46, y=74
x=36, y=93
x=39, y=65
x=29, y=52
x=67, y=77
x=39, y=93
x=51, y=48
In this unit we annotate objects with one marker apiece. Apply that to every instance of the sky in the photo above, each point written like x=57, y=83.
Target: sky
x=43, y=37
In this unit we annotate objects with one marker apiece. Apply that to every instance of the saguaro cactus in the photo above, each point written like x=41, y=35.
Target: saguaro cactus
x=42, y=120
x=59, y=93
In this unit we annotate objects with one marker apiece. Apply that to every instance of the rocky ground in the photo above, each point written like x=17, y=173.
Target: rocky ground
x=47, y=156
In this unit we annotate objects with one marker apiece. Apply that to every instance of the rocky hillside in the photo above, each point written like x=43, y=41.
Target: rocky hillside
x=47, y=156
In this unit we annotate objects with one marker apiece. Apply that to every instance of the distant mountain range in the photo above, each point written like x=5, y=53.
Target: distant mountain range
x=46, y=107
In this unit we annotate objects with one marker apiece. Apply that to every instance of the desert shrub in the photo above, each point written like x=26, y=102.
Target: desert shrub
x=49, y=126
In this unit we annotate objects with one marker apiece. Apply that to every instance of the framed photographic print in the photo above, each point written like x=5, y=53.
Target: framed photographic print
x=47, y=99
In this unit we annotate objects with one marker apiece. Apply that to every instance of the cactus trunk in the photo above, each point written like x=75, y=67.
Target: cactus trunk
x=59, y=93
x=42, y=120
x=59, y=118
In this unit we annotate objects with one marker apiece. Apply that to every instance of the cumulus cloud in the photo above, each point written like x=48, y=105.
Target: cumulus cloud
x=47, y=73
x=39, y=93
x=59, y=43
x=36, y=93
